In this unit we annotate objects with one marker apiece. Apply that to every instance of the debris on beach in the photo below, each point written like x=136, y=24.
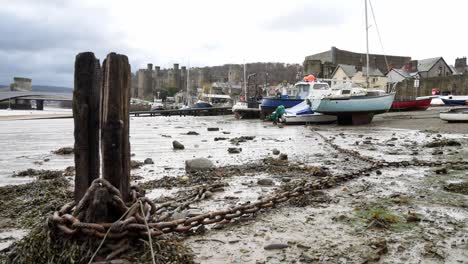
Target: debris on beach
x=40, y=174
x=64, y=151
x=442, y=143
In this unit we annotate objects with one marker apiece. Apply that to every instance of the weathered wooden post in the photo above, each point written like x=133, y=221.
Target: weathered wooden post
x=115, y=104
x=86, y=119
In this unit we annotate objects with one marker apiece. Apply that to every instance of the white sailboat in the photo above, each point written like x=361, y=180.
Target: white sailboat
x=353, y=104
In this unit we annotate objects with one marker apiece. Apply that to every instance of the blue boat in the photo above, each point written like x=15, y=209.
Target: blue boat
x=299, y=93
x=450, y=101
x=269, y=104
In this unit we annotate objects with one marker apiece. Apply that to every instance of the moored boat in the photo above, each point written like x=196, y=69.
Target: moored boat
x=302, y=114
x=454, y=100
x=303, y=90
x=354, y=105
x=455, y=115
x=407, y=105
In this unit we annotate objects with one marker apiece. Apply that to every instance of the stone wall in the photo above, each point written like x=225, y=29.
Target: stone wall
x=454, y=84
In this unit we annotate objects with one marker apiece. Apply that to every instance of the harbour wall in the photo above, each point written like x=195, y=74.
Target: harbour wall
x=454, y=84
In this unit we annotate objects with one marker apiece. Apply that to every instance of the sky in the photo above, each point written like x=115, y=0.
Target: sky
x=39, y=39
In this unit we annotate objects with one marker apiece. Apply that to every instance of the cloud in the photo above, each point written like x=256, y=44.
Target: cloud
x=43, y=44
x=307, y=16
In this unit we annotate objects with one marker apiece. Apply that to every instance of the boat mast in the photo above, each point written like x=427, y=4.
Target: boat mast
x=367, y=46
x=188, y=83
x=245, y=82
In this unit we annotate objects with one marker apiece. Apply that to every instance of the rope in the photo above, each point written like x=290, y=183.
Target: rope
x=108, y=230
x=149, y=233
x=378, y=34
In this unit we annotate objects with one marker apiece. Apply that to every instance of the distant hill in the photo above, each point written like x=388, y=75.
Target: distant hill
x=49, y=88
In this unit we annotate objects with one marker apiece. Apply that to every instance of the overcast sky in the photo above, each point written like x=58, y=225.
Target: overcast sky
x=40, y=38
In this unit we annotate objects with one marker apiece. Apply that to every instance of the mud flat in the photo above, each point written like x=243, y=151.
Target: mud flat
x=406, y=212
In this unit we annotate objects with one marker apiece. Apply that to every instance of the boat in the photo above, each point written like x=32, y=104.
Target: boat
x=301, y=89
x=303, y=114
x=455, y=115
x=202, y=104
x=353, y=104
x=408, y=105
x=247, y=107
x=452, y=100
x=157, y=105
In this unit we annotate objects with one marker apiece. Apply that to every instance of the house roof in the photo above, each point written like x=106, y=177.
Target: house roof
x=402, y=72
x=427, y=64
x=350, y=70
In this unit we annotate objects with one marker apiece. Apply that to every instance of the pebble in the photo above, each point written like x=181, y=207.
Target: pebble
x=276, y=151
x=177, y=145
x=265, y=182
x=213, y=128
x=275, y=246
x=148, y=161
x=234, y=150
x=283, y=156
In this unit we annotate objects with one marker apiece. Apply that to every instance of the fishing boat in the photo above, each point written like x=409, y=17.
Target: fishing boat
x=454, y=100
x=408, y=105
x=301, y=91
x=303, y=114
x=455, y=115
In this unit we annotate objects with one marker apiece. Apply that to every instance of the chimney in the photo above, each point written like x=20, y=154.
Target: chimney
x=359, y=66
x=408, y=66
x=414, y=66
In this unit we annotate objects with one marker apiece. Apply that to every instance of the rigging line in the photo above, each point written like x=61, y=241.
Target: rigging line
x=378, y=34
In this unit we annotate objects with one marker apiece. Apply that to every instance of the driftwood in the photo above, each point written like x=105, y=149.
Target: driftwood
x=86, y=118
x=115, y=103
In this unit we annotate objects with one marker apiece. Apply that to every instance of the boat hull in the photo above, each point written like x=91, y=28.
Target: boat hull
x=455, y=115
x=354, y=105
x=409, y=105
x=307, y=118
x=454, y=101
x=270, y=104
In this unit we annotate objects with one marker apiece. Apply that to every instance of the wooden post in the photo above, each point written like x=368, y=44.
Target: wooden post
x=86, y=119
x=115, y=103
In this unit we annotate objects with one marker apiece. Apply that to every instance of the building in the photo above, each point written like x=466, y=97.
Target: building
x=421, y=69
x=427, y=68
x=323, y=64
x=21, y=84
x=346, y=73
x=460, y=66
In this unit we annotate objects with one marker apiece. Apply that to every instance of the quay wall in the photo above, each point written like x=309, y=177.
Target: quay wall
x=454, y=84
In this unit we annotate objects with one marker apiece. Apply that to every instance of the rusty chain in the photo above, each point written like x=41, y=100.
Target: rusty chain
x=133, y=224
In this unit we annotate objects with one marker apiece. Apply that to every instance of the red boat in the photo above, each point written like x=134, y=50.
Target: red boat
x=407, y=105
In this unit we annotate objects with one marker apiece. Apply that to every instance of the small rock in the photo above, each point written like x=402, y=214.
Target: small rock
x=148, y=161
x=184, y=178
x=192, y=133
x=276, y=152
x=177, y=145
x=198, y=164
x=213, y=128
x=280, y=125
x=378, y=172
x=226, y=132
x=275, y=246
x=283, y=156
x=220, y=138
x=265, y=182
x=234, y=150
